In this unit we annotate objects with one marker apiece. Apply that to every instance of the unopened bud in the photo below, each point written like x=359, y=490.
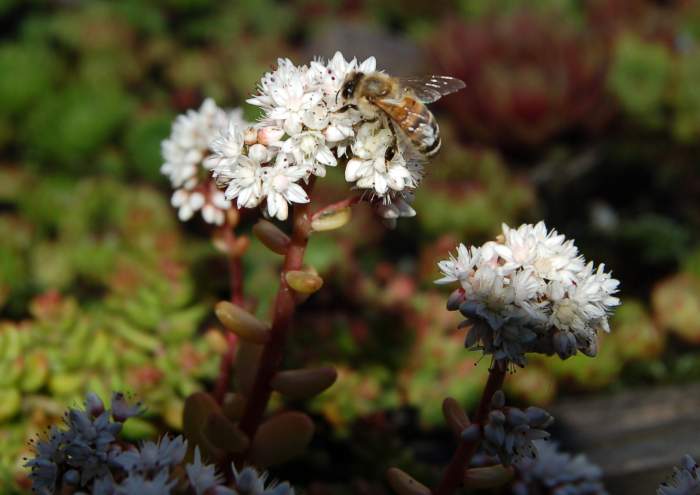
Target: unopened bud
x=455, y=416
x=303, y=281
x=488, y=477
x=455, y=300
x=250, y=136
x=404, y=484
x=271, y=236
x=331, y=219
x=258, y=153
x=242, y=323
x=94, y=405
x=516, y=417
x=281, y=438
x=471, y=434
x=564, y=344
x=303, y=384
x=270, y=136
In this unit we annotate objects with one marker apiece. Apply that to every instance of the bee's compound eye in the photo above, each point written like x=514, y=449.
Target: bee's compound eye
x=348, y=89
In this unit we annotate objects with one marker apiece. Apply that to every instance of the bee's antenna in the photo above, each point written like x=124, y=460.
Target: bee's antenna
x=336, y=95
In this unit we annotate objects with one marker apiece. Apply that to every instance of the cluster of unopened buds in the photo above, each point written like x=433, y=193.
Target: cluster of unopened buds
x=89, y=457
x=684, y=481
x=509, y=432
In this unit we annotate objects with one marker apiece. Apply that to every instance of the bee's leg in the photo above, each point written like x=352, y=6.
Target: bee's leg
x=394, y=148
x=347, y=107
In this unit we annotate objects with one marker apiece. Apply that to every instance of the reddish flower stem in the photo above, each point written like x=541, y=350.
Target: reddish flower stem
x=338, y=205
x=453, y=477
x=285, y=306
x=235, y=270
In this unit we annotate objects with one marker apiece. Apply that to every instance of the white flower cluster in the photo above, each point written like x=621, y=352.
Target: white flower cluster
x=557, y=473
x=305, y=128
x=684, y=481
x=184, y=153
x=529, y=291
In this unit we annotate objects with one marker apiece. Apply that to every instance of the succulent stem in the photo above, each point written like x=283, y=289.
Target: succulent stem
x=285, y=306
x=453, y=476
x=235, y=268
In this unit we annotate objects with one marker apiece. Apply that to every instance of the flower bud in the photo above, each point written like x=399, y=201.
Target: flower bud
x=494, y=434
x=94, y=405
x=488, y=477
x=471, y=434
x=122, y=410
x=564, y=344
x=404, y=484
x=242, y=323
x=250, y=136
x=258, y=153
x=281, y=438
x=271, y=236
x=455, y=300
x=71, y=477
x=303, y=281
x=331, y=219
x=270, y=136
x=303, y=384
x=516, y=416
x=497, y=417
x=539, y=418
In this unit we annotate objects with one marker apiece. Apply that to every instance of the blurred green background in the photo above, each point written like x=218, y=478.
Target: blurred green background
x=585, y=114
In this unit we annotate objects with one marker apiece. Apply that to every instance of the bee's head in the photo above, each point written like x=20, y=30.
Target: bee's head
x=347, y=90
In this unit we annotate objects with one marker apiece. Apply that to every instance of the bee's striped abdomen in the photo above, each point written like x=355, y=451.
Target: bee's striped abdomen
x=417, y=123
x=431, y=142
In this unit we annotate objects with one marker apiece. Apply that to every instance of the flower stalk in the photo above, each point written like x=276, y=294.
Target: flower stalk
x=235, y=269
x=453, y=476
x=285, y=305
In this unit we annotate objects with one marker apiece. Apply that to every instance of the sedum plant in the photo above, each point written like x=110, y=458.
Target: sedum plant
x=527, y=292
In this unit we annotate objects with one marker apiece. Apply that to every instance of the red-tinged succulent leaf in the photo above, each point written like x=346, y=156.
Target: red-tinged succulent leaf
x=281, y=438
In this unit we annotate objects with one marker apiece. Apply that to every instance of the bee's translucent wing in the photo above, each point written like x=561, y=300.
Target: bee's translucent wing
x=406, y=147
x=429, y=89
x=421, y=125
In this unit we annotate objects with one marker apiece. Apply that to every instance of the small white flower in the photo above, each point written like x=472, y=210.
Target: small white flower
x=310, y=151
x=461, y=267
x=281, y=187
x=286, y=96
x=259, y=153
x=226, y=148
x=370, y=169
x=245, y=181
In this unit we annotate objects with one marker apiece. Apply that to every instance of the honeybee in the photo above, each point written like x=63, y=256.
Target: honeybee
x=403, y=100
